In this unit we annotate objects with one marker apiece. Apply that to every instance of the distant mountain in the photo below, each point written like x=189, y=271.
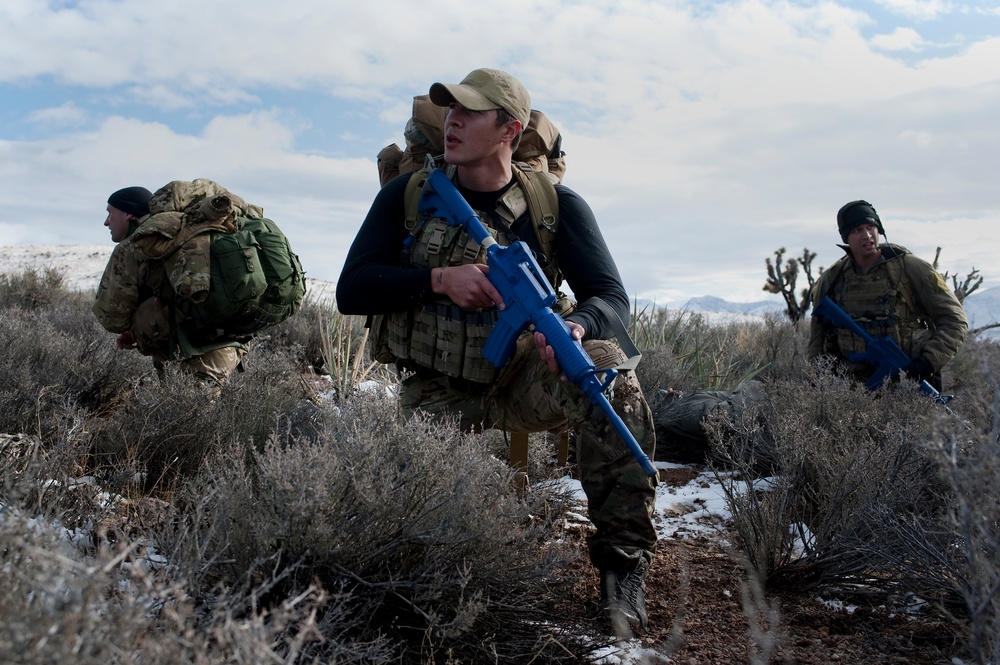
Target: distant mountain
x=715, y=304
x=983, y=308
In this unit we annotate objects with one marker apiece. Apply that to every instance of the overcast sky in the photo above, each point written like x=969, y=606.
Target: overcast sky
x=705, y=135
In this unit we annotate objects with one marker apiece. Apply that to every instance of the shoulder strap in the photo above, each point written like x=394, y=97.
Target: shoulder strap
x=414, y=188
x=900, y=278
x=836, y=272
x=411, y=197
x=543, y=204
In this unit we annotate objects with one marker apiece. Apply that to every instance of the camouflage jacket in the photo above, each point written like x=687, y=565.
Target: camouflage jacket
x=167, y=257
x=901, y=297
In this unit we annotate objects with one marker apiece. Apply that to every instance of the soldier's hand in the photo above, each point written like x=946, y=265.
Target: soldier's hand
x=125, y=340
x=467, y=286
x=548, y=354
x=919, y=370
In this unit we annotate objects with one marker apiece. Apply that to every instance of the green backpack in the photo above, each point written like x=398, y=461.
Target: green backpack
x=232, y=269
x=256, y=281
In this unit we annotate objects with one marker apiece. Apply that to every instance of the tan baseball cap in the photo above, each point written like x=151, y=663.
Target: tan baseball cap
x=484, y=90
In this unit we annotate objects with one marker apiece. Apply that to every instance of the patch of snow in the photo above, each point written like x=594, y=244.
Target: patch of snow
x=838, y=605
x=80, y=265
x=83, y=265
x=628, y=652
x=696, y=509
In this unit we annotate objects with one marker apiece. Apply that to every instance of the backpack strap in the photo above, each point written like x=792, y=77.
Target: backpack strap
x=415, y=187
x=543, y=204
x=411, y=198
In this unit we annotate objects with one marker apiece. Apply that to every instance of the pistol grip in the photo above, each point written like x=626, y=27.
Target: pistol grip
x=501, y=342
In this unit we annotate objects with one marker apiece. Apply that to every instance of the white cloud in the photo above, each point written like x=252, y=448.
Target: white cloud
x=66, y=114
x=704, y=135
x=900, y=39
x=918, y=9
x=922, y=140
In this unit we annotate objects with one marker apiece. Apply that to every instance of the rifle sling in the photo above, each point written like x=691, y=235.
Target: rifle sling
x=621, y=334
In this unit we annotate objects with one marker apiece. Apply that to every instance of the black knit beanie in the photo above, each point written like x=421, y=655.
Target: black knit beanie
x=854, y=214
x=133, y=200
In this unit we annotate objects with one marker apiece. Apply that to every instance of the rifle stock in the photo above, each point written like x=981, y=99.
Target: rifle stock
x=528, y=298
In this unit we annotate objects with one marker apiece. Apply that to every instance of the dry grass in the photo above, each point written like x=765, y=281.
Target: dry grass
x=291, y=518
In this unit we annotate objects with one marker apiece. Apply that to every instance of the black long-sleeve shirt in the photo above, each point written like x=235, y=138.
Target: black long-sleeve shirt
x=373, y=280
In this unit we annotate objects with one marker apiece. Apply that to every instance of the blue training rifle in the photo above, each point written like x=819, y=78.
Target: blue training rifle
x=881, y=352
x=528, y=298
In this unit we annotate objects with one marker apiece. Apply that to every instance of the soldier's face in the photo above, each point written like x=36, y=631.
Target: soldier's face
x=117, y=221
x=863, y=241
x=470, y=136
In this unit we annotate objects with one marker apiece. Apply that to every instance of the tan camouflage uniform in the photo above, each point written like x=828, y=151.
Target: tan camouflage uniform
x=137, y=290
x=901, y=297
x=528, y=397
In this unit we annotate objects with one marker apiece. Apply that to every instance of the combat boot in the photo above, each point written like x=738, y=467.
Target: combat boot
x=623, y=598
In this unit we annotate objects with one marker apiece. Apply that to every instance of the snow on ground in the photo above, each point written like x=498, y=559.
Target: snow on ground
x=83, y=265
x=697, y=508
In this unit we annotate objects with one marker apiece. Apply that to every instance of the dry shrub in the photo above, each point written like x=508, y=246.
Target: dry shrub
x=165, y=427
x=886, y=495
x=841, y=458
x=69, y=599
x=962, y=563
x=410, y=522
x=331, y=344
x=31, y=289
x=300, y=334
x=54, y=361
x=683, y=351
x=83, y=583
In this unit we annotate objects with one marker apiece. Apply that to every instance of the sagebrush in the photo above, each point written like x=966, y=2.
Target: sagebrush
x=294, y=516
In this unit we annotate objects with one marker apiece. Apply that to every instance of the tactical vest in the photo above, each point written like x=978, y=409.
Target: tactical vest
x=439, y=335
x=883, y=302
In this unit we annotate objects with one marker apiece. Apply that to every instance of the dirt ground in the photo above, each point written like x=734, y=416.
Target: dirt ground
x=693, y=598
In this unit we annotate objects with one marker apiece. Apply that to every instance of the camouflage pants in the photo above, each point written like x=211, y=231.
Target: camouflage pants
x=211, y=368
x=530, y=398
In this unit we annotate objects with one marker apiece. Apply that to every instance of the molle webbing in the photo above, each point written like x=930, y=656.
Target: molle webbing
x=440, y=335
x=882, y=302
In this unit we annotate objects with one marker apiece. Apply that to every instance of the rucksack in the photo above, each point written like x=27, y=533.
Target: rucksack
x=540, y=146
x=232, y=269
x=256, y=281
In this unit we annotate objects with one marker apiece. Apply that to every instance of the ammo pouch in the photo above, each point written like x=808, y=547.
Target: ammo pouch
x=150, y=327
x=382, y=342
x=378, y=339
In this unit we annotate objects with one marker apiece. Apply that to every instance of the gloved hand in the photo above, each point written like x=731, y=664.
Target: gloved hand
x=919, y=370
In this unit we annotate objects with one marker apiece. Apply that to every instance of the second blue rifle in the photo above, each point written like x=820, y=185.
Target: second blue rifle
x=881, y=352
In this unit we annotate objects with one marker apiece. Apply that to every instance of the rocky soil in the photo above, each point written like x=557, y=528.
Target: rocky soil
x=696, y=615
